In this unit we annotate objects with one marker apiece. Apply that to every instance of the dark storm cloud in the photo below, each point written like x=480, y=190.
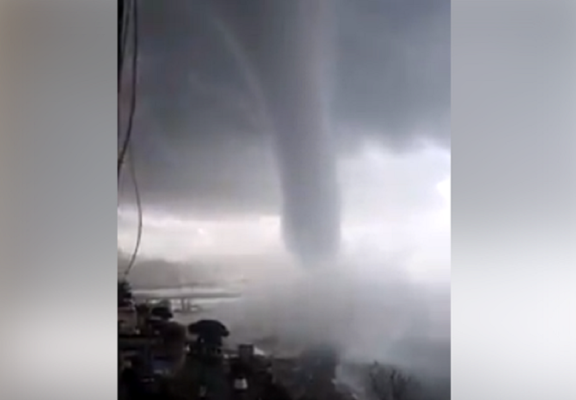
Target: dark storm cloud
x=394, y=66
x=199, y=127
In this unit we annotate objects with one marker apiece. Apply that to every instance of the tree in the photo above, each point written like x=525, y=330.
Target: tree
x=124, y=293
x=390, y=383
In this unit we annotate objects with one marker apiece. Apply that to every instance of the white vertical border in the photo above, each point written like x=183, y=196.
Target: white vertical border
x=60, y=336
x=513, y=233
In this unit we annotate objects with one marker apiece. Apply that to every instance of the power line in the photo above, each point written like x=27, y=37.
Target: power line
x=128, y=16
x=132, y=168
x=134, y=81
x=121, y=18
x=123, y=28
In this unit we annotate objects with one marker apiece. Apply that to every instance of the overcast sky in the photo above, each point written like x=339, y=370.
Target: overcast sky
x=202, y=155
x=195, y=138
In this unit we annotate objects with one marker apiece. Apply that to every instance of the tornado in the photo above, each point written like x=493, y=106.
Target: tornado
x=297, y=90
x=283, y=50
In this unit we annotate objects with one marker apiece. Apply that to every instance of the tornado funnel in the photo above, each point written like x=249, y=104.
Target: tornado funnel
x=297, y=98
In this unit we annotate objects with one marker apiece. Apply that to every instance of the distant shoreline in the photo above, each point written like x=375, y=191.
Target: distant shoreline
x=192, y=292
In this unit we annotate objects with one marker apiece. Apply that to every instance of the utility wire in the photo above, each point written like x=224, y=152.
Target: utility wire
x=121, y=18
x=130, y=18
x=132, y=168
x=124, y=13
x=123, y=29
x=133, y=91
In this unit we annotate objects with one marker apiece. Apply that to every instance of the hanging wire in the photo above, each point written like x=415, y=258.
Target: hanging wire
x=130, y=20
x=124, y=11
x=133, y=89
x=132, y=169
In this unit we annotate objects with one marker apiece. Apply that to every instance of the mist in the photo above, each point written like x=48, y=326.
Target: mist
x=387, y=296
